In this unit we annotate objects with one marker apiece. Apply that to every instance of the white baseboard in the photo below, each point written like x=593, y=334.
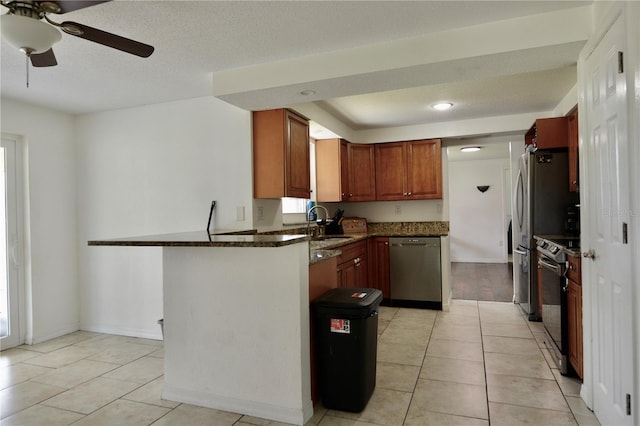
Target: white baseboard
x=234, y=405
x=52, y=335
x=124, y=331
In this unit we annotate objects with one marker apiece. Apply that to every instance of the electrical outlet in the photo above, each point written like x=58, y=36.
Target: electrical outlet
x=398, y=209
x=240, y=213
x=260, y=213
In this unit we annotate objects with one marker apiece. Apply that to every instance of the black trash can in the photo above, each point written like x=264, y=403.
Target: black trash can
x=346, y=333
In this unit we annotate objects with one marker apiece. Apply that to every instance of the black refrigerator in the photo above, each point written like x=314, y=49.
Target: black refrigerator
x=541, y=198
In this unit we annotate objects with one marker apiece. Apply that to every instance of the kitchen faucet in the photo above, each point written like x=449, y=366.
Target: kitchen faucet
x=326, y=217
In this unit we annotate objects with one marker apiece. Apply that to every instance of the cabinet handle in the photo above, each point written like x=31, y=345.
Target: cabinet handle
x=350, y=195
x=575, y=182
x=386, y=244
x=409, y=194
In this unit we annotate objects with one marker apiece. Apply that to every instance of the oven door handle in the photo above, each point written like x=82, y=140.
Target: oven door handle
x=553, y=267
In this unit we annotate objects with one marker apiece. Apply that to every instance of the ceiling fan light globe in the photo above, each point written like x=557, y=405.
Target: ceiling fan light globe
x=29, y=34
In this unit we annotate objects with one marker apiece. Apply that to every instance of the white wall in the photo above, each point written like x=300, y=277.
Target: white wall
x=149, y=170
x=477, y=220
x=51, y=279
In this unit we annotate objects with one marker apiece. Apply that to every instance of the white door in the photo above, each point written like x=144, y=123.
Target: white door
x=608, y=255
x=10, y=243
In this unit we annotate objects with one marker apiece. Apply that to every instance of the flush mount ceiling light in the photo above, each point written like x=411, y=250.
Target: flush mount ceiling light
x=443, y=106
x=308, y=92
x=470, y=149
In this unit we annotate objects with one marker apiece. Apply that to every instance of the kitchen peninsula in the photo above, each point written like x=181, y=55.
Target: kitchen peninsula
x=236, y=312
x=236, y=322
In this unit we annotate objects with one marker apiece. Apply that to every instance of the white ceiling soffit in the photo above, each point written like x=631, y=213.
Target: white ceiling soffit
x=491, y=147
x=501, y=96
x=520, y=45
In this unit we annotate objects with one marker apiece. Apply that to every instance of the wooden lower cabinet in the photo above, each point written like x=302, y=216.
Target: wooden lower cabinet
x=353, y=265
x=574, y=315
x=378, y=251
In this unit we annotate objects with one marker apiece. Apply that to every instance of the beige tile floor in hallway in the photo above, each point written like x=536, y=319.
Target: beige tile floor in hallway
x=481, y=363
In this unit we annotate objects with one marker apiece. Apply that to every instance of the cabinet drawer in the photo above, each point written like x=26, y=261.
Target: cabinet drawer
x=574, y=270
x=353, y=251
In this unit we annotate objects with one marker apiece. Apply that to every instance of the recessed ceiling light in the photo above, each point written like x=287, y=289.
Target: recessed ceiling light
x=470, y=149
x=443, y=106
x=308, y=92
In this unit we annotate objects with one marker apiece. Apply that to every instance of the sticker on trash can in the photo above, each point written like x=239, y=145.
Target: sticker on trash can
x=359, y=295
x=340, y=326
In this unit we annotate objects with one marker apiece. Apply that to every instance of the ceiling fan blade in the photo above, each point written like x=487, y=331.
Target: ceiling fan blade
x=44, y=59
x=102, y=37
x=71, y=5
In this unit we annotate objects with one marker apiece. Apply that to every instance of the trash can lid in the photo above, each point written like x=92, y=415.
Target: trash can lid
x=353, y=298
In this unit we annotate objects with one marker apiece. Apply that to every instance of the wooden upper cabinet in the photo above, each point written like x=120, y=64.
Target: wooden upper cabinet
x=391, y=171
x=548, y=133
x=280, y=155
x=332, y=170
x=572, y=134
x=362, y=169
x=409, y=170
x=424, y=169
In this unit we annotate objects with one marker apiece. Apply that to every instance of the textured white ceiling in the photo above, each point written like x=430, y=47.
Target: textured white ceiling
x=195, y=39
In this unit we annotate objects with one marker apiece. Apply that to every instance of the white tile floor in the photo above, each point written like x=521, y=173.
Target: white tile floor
x=481, y=363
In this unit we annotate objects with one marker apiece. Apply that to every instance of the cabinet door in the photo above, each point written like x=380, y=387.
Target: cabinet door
x=349, y=274
x=280, y=155
x=362, y=186
x=362, y=273
x=550, y=133
x=390, y=171
x=424, y=170
x=298, y=174
x=344, y=170
x=574, y=314
x=574, y=177
x=329, y=170
x=379, y=265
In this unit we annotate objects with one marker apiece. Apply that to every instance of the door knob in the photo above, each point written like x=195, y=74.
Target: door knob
x=591, y=254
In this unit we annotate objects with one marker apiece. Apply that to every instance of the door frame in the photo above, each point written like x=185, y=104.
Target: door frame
x=626, y=11
x=20, y=240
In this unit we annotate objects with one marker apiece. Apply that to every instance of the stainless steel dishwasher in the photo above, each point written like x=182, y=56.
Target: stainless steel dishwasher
x=416, y=274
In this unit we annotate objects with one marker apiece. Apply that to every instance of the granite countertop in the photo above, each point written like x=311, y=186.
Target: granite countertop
x=573, y=252
x=204, y=239
x=320, y=249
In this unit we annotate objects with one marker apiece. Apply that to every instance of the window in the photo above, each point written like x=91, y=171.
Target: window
x=294, y=205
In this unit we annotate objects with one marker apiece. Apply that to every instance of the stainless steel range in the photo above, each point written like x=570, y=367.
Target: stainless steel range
x=552, y=267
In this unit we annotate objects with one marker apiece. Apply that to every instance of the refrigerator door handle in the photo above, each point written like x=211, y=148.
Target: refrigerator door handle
x=520, y=252
x=519, y=199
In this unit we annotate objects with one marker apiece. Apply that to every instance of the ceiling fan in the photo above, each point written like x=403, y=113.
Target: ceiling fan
x=24, y=28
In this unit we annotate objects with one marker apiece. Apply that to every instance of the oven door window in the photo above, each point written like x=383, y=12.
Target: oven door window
x=553, y=295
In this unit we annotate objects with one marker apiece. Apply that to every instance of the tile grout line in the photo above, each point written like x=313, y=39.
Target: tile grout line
x=421, y=365
x=484, y=364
